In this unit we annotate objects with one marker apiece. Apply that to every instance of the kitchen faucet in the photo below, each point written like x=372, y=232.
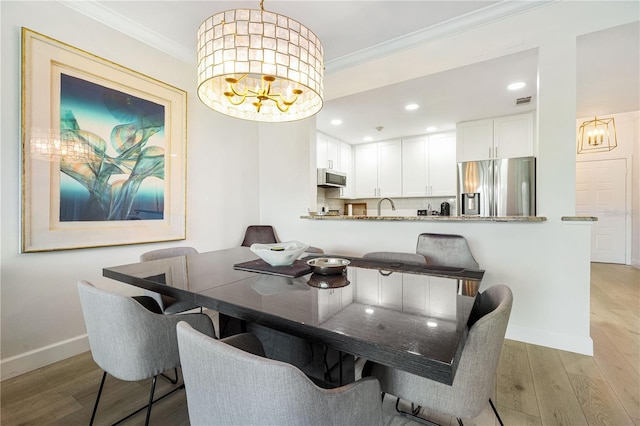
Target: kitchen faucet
x=393, y=206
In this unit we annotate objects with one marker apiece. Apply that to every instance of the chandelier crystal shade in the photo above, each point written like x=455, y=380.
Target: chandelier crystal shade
x=597, y=135
x=258, y=65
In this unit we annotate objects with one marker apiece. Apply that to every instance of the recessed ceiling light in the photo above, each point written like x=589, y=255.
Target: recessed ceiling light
x=411, y=107
x=368, y=138
x=431, y=129
x=336, y=121
x=516, y=86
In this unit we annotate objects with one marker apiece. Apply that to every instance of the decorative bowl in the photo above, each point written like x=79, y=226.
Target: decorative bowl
x=328, y=265
x=279, y=254
x=327, y=281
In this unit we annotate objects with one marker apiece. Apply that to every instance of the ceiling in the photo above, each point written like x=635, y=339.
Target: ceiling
x=610, y=84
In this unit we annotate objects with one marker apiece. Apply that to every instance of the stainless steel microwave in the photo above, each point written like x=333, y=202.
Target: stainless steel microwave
x=328, y=178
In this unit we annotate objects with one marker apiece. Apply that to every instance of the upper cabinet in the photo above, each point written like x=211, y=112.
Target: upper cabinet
x=328, y=152
x=513, y=136
x=334, y=154
x=502, y=137
x=378, y=169
x=346, y=166
x=429, y=165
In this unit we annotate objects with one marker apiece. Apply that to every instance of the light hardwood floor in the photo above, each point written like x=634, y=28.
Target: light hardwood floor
x=535, y=386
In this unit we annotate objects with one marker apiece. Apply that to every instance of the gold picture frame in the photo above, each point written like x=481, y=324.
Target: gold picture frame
x=103, y=151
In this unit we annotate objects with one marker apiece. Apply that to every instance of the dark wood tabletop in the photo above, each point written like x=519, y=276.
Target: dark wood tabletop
x=408, y=317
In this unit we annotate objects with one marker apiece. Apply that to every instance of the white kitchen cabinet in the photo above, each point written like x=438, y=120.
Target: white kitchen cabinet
x=429, y=165
x=474, y=140
x=327, y=152
x=378, y=169
x=501, y=137
x=513, y=136
x=346, y=166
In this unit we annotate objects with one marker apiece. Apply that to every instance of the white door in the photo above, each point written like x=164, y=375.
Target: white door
x=600, y=191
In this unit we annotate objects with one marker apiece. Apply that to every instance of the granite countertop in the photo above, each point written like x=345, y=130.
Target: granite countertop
x=579, y=218
x=432, y=218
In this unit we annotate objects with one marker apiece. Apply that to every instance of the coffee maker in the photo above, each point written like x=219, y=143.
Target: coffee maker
x=445, y=209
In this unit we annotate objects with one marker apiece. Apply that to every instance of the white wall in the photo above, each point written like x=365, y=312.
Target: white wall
x=40, y=312
x=546, y=264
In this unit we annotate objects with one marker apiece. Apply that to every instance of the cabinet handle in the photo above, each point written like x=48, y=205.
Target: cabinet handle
x=489, y=152
x=496, y=152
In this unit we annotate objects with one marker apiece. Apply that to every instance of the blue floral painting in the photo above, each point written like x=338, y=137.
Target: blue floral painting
x=121, y=175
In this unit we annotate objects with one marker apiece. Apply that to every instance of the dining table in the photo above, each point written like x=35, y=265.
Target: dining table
x=407, y=316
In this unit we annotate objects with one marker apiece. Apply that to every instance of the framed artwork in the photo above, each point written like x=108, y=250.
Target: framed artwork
x=103, y=151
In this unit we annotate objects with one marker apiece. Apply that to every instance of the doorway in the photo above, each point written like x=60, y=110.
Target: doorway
x=601, y=192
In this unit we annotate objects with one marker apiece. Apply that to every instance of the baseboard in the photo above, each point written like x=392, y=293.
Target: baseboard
x=566, y=342
x=635, y=263
x=32, y=360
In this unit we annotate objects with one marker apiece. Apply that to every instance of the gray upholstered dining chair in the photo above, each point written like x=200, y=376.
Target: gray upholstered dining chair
x=396, y=257
x=474, y=382
x=265, y=234
x=446, y=250
x=226, y=385
x=129, y=342
x=168, y=304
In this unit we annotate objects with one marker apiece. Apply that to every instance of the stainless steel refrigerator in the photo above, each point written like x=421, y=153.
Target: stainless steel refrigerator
x=505, y=187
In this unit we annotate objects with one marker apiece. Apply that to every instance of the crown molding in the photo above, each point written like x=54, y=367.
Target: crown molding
x=491, y=13
x=443, y=29
x=131, y=28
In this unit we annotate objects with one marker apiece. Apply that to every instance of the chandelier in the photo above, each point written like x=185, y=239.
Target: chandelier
x=258, y=65
x=597, y=135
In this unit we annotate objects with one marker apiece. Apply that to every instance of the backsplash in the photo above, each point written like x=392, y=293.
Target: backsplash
x=404, y=206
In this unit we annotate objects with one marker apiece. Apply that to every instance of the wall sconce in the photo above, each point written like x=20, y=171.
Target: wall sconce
x=597, y=135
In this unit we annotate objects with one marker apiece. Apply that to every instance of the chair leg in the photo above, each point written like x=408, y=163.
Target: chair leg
x=172, y=381
x=495, y=411
x=95, y=407
x=414, y=414
x=151, y=401
x=153, y=388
